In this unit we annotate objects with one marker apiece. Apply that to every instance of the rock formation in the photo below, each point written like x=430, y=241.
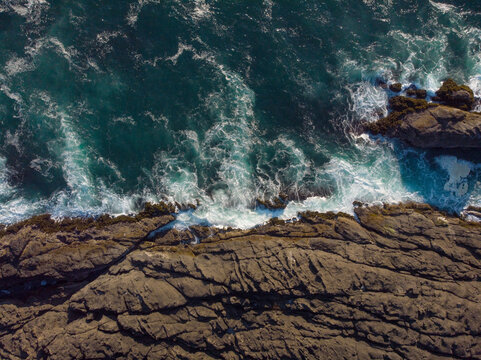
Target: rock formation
x=430, y=125
x=397, y=282
x=397, y=87
x=438, y=127
x=452, y=94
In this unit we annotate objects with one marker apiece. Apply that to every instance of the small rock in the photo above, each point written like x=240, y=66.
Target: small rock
x=452, y=94
x=396, y=87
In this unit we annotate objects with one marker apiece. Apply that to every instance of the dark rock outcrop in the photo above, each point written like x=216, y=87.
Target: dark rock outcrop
x=432, y=125
x=419, y=93
x=452, y=94
x=435, y=127
x=396, y=87
x=276, y=203
x=402, y=283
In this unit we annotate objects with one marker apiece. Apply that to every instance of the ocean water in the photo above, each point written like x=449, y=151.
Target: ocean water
x=106, y=105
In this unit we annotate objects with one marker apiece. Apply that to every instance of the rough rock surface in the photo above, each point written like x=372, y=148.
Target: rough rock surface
x=402, y=282
x=439, y=127
x=452, y=94
x=32, y=257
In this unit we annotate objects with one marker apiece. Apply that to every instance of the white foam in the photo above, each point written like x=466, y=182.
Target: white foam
x=458, y=171
x=129, y=120
x=173, y=177
x=136, y=8
x=227, y=144
x=475, y=195
x=201, y=10
x=13, y=206
x=475, y=84
x=84, y=195
x=16, y=65
x=180, y=50
x=369, y=102
x=30, y=9
x=444, y=8
x=10, y=94
x=421, y=49
x=42, y=166
x=215, y=214
x=105, y=36
x=268, y=4
x=374, y=178
x=5, y=188
x=69, y=53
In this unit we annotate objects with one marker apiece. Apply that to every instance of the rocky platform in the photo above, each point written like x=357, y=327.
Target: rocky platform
x=439, y=127
x=397, y=282
x=446, y=124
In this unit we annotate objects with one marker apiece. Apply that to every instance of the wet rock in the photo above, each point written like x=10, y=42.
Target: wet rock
x=396, y=87
x=414, y=91
x=438, y=127
x=452, y=94
x=429, y=125
x=400, y=107
x=421, y=94
x=403, y=282
x=276, y=203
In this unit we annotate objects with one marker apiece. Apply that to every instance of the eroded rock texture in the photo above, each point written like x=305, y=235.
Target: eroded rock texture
x=440, y=127
x=403, y=282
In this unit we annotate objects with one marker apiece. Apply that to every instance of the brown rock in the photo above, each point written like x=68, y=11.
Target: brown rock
x=33, y=257
x=402, y=283
x=439, y=127
x=396, y=87
x=452, y=94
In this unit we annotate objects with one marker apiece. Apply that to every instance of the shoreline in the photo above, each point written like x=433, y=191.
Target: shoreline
x=157, y=222
x=162, y=208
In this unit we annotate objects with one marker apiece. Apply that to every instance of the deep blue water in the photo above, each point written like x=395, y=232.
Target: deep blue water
x=107, y=104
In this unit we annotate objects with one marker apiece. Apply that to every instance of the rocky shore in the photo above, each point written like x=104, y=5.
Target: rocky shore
x=446, y=123
x=396, y=282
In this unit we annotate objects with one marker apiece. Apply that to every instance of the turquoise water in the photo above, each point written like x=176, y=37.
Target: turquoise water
x=106, y=105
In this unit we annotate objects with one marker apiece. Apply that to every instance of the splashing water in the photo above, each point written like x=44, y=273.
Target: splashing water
x=220, y=103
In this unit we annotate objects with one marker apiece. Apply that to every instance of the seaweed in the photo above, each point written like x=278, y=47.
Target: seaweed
x=154, y=210
x=452, y=94
x=276, y=221
x=400, y=106
x=419, y=93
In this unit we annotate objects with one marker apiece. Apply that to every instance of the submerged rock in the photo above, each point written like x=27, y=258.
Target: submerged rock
x=403, y=282
x=276, y=203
